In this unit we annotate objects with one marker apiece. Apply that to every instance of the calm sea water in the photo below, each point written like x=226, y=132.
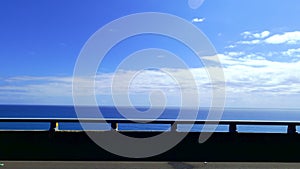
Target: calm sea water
x=18, y=111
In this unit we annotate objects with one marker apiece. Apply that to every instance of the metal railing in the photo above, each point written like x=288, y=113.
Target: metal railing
x=291, y=125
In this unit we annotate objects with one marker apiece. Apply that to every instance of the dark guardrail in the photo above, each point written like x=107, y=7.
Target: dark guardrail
x=291, y=125
x=230, y=145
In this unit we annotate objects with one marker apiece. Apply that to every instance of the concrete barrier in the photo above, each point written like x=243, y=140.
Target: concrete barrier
x=221, y=147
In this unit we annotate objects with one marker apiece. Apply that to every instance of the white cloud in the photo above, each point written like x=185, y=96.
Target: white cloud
x=264, y=37
x=265, y=34
x=246, y=34
x=253, y=38
x=285, y=38
x=246, y=75
x=197, y=20
x=235, y=54
x=292, y=52
x=260, y=35
x=37, y=86
x=230, y=47
x=250, y=42
x=35, y=89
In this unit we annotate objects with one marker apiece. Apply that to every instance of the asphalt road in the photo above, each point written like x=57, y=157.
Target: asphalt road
x=141, y=165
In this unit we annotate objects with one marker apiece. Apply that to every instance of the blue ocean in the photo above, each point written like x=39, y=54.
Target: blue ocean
x=30, y=111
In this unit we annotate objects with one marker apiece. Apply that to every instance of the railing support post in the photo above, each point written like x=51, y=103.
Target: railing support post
x=174, y=127
x=114, y=126
x=232, y=128
x=53, y=126
x=291, y=129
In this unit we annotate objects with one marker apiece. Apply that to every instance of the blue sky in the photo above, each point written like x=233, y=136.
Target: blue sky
x=258, y=43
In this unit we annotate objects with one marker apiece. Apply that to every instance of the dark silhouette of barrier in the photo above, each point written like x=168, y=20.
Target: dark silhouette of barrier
x=221, y=146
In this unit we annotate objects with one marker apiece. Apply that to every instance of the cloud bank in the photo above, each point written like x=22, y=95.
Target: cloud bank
x=246, y=76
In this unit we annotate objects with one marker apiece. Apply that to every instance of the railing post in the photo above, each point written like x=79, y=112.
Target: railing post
x=291, y=129
x=174, y=127
x=53, y=126
x=232, y=128
x=114, y=126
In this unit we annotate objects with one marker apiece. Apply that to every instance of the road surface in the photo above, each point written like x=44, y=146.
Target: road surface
x=141, y=165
